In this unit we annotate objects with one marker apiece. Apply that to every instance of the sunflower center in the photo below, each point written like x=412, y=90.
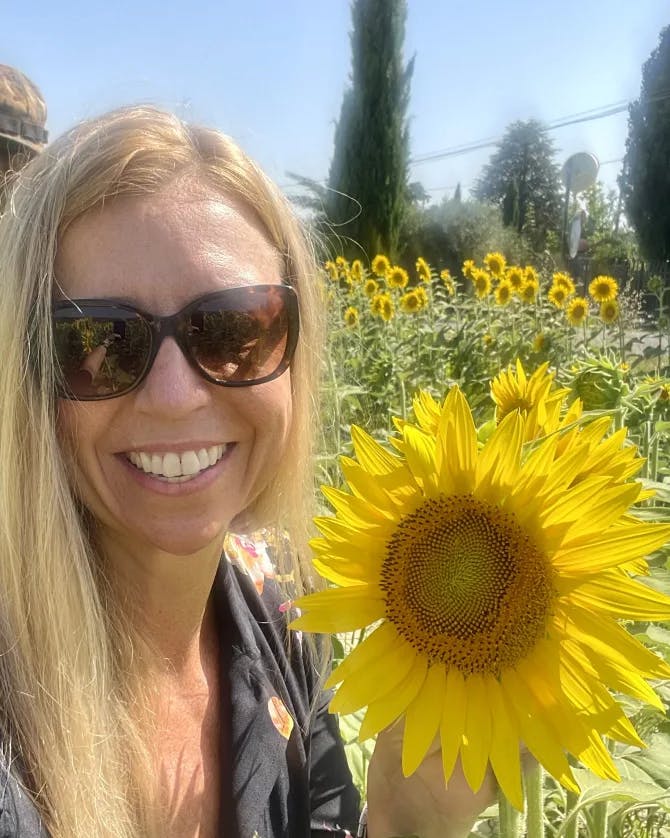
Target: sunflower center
x=466, y=585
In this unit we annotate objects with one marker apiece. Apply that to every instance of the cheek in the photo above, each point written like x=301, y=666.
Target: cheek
x=77, y=429
x=270, y=411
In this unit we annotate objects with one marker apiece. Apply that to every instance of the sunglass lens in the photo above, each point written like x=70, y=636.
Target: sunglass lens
x=243, y=339
x=100, y=356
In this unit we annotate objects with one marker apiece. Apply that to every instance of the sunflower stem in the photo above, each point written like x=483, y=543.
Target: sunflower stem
x=510, y=822
x=599, y=820
x=572, y=830
x=534, y=801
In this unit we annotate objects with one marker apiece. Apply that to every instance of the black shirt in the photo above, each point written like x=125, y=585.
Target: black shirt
x=285, y=773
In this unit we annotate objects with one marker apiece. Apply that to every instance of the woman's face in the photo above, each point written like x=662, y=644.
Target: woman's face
x=159, y=253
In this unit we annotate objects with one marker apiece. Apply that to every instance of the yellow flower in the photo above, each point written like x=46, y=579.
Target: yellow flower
x=609, y=311
x=371, y=287
x=557, y=296
x=496, y=263
x=380, y=265
x=563, y=280
x=488, y=341
x=604, y=289
x=529, y=290
x=578, y=311
x=342, y=265
x=492, y=581
x=332, y=270
x=410, y=302
x=531, y=274
x=449, y=284
x=445, y=274
x=503, y=293
x=351, y=317
x=381, y=305
x=423, y=270
x=482, y=282
x=397, y=277
x=422, y=295
x=388, y=309
x=516, y=277
x=357, y=270
x=468, y=269
x=512, y=390
x=539, y=342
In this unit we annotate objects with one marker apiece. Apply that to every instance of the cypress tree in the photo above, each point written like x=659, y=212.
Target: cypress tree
x=368, y=175
x=645, y=180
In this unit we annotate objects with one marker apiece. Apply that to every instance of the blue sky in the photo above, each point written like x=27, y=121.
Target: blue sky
x=271, y=72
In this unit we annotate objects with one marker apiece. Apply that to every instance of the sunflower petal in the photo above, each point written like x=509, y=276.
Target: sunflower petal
x=340, y=609
x=381, y=714
x=477, y=734
x=452, y=725
x=423, y=718
x=419, y=449
x=605, y=639
x=498, y=464
x=374, y=681
x=614, y=547
x=616, y=595
x=505, y=747
x=457, y=445
x=610, y=505
x=535, y=732
x=385, y=491
x=359, y=512
x=371, y=455
x=382, y=640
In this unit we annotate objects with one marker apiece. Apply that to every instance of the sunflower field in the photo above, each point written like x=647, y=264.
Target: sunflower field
x=514, y=410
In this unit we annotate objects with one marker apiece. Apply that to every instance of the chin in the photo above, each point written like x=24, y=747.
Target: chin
x=182, y=543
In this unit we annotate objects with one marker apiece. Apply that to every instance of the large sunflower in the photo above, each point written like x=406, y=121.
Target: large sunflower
x=492, y=581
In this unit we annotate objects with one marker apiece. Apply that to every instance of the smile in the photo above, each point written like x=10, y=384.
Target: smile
x=177, y=468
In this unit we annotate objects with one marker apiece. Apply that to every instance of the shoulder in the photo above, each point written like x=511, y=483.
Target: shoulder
x=259, y=604
x=19, y=817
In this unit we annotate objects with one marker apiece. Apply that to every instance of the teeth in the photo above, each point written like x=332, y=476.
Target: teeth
x=171, y=465
x=177, y=468
x=190, y=464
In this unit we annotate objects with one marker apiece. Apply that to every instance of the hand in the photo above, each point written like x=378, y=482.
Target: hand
x=420, y=804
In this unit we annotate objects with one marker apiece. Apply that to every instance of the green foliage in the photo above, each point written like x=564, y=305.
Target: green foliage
x=455, y=230
x=609, y=240
x=646, y=175
x=522, y=179
x=369, y=172
x=376, y=365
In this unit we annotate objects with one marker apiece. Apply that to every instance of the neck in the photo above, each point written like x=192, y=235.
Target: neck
x=167, y=599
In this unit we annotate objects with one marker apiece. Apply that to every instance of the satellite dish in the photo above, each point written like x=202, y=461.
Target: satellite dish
x=580, y=171
x=575, y=235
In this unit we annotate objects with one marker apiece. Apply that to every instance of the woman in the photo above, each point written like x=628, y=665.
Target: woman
x=159, y=333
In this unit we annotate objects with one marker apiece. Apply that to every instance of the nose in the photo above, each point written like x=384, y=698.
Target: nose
x=172, y=385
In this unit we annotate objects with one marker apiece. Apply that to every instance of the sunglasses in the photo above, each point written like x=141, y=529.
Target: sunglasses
x=235, y=338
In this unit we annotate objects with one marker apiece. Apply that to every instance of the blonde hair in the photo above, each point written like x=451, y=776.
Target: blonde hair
x=65, y=702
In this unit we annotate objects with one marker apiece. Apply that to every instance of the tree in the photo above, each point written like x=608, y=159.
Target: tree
x=446, y=234
x=645, y=181
x=368, y=175
x=522, y=178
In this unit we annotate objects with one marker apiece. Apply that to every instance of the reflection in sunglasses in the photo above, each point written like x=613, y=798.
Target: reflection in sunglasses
x=238, y=336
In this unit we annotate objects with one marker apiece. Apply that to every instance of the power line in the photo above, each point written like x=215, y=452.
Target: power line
x=572, y=119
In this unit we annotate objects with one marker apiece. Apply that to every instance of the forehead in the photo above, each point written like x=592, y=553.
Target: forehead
x=163, y=250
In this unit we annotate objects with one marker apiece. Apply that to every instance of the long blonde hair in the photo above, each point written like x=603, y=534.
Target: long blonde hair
x=65, y=704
